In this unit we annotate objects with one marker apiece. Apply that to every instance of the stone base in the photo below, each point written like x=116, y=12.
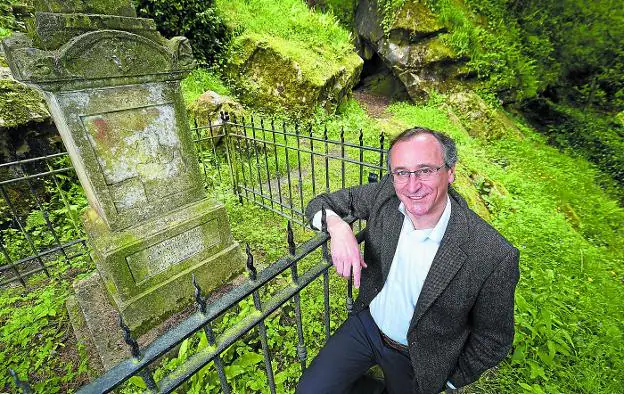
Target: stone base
x=95, y=322
x=147, y=269
x=96, y=325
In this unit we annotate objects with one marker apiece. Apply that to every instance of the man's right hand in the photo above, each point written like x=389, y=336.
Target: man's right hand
x=345, y=251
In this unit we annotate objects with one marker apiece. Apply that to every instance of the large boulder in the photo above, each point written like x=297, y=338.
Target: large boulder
x=412, y=46
x=272, y=74
x=206, y=109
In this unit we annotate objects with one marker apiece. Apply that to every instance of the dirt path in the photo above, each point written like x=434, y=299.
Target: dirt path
x=374, y=104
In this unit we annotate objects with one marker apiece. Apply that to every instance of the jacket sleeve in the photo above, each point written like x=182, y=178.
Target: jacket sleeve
x=492, y=323
x=357, y=200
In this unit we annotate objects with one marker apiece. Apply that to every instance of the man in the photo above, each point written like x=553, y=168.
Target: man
x=435, y=307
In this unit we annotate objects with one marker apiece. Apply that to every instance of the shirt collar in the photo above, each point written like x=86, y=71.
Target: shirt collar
x=439, y=229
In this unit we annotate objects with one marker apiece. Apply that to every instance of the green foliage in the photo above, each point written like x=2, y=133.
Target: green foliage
x=195, y=19
x=578, y=46
x=8, y=23
x=493, y=47
x=37, y=340
x=388, y=10
x=598, y=138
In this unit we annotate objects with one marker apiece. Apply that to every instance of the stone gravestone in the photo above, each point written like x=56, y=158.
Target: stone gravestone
x=111, y=82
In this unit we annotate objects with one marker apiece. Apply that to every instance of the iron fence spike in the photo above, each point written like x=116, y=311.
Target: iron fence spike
x=250, y=263
x=201, y=301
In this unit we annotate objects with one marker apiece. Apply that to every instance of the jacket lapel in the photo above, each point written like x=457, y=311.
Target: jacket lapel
x=446, y=262
x=395, y=223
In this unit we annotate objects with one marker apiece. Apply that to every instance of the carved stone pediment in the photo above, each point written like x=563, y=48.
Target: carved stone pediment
x=105, y=54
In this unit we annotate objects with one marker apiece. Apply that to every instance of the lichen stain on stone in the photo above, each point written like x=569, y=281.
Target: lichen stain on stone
x=102, y=130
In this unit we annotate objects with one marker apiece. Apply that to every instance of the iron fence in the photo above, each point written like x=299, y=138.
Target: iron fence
x=279, y=168
x=39, y=225
x=142, y=361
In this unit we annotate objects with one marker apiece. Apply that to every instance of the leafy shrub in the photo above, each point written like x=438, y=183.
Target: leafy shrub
x=195, y=19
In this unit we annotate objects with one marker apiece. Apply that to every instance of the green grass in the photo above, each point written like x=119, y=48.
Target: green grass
x=316, y=42
x=289, y=20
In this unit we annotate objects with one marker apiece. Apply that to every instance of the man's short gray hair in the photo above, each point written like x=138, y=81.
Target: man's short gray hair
x=449, y=149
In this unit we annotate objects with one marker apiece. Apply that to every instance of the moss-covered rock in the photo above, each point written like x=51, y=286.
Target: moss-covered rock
x=207, y=108
x=412, y=46
x=20, y=104
x=273, y=73
x=479, y=118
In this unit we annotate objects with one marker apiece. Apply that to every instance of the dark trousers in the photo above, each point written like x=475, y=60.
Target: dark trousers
x=349, y=353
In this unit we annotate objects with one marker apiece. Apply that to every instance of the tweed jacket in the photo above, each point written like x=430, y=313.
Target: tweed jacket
x=463, y=322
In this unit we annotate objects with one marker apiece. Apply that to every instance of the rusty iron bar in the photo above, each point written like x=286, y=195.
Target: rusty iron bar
x=326, y=160
x=300, y=178
x=144, y=372
x=266, y=163
x=327, y=260
x=290, y=198
x=278, y=174
x=312, y=160
x=302, y=352
x=255, y=147
x=247, y=163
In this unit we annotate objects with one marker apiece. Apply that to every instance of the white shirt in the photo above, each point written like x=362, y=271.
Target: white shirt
x=393, y=308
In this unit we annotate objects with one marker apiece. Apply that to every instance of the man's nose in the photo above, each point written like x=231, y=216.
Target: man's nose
x=413, y=183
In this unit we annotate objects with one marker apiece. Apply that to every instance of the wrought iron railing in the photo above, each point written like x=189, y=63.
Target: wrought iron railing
x=141, y=362
x=278, y=168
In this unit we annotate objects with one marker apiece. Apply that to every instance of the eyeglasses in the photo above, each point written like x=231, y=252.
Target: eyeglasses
x=403, y=176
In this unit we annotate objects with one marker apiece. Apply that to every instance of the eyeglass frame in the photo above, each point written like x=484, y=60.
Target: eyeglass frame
x=417, y=173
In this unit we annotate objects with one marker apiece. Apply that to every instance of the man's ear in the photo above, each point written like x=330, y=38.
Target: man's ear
x=451, y=176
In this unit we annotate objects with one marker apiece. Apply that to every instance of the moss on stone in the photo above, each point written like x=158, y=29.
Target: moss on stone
x=274, y=73
x=110, y=7
x=480, y=119
x=464, y=185
x=20, y=105
x=417, y=19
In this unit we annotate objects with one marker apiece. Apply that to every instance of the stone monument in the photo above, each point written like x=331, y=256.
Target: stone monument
x=112, y=84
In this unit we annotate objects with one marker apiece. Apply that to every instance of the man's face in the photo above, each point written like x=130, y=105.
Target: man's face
x=424, y=199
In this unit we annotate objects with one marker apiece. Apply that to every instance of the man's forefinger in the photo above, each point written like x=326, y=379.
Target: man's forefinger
x=357, y=271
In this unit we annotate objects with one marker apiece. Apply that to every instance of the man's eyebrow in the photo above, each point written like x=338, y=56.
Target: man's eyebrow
x=418, y=167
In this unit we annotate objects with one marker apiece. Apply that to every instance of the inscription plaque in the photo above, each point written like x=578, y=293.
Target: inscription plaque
x=157, y=258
